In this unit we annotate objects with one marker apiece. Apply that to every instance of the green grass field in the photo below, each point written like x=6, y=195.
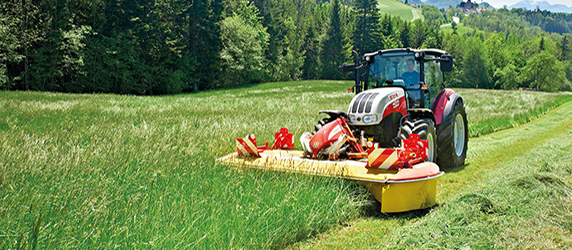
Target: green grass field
x=461, y=29
x=395, y=8
x=107, y=171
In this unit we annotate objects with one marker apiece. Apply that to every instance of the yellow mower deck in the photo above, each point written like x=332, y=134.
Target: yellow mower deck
x=397, y=190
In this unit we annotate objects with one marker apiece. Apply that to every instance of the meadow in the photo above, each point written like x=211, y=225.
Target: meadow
x=109, y=171
x=395, y=8
x=461, y=29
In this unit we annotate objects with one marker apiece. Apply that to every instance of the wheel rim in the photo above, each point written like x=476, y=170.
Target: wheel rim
x=459, y=135
x=431, y=142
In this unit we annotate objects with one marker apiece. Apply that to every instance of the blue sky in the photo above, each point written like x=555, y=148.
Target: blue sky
x=500, y=3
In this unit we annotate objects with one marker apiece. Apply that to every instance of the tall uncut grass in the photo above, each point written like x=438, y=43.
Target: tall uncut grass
x=493, y=110
x=107, y=171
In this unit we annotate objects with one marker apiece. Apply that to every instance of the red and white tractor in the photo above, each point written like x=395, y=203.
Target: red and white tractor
x=399, y=92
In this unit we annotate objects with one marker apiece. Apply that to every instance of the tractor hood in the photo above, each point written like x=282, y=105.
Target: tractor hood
x=371, y=106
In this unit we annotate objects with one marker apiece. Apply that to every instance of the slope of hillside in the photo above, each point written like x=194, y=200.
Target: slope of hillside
x=395, y=8
x=443, y=3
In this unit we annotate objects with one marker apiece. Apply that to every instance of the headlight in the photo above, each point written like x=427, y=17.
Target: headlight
x=369, y=118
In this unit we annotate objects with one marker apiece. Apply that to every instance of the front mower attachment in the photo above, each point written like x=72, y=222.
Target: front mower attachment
x=247, y=146
x=409, y=183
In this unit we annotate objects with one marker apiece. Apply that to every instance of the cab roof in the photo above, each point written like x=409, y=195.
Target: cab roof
x=433, y=52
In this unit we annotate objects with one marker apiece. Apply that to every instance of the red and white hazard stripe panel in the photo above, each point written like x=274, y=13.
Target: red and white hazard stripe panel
x=383, y=158
x=247, y=146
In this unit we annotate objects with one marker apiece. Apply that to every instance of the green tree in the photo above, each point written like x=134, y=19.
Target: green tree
x=46, y=60
x=405, y=34
x=565, y=49
x=508, y=77
x=244, y=40
x=333, y=45
x=474, y=67
x=418, y=33
x=311, y=65
x=433, y=17
x=72, y=47
x=544, y=72
x=386, y=25
x=496, y=56
x=430, y=42
x=367, y=35
x=204, y=41
x=10, y=41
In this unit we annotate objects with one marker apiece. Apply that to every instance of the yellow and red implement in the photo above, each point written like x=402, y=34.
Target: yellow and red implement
x=399, y=178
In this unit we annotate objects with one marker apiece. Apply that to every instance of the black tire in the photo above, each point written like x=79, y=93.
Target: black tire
x=450, y=153
x=425, y=128
x=333, y=115
x=321, y=123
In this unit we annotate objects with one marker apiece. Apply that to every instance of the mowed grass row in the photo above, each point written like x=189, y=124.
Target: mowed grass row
x=139, y=172
x=521, y=198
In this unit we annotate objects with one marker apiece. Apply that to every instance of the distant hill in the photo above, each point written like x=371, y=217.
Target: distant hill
x=398, y=9
x=542, y=5
x=442, y=3
x=413, y=1
x=453, y=3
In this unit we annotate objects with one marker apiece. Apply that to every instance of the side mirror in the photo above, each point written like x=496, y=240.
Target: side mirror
x=347, y=67
x=446, y=62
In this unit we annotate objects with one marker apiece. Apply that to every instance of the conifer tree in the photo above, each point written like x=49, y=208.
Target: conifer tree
x=204, y=40
x=311, y=62
x=367, y=36
x=333, y=47
x=566, y=51
x=405, y=34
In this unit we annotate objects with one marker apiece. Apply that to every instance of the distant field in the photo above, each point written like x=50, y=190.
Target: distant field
x=398, y=9
x=109, y=171
x=461, y=29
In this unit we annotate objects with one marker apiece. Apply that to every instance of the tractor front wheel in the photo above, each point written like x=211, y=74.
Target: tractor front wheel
x=425, y=128
x=453, y=137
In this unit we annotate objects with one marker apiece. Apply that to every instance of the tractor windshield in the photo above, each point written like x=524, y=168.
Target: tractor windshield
x=400, y=67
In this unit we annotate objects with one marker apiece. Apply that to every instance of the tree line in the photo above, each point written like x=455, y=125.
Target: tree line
x=508, y=51
x=174, y=46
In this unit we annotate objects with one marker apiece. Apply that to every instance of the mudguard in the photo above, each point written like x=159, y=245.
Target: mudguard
x=443, y=104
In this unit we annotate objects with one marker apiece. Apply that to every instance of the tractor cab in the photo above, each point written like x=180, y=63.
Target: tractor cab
x=419, y=72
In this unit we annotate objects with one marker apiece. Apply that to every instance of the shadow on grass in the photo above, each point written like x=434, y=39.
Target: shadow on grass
x=456, y=169
x=373, y=210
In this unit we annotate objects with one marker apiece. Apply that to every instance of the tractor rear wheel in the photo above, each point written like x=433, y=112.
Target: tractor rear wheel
x=453, y=137
x=425, y=128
